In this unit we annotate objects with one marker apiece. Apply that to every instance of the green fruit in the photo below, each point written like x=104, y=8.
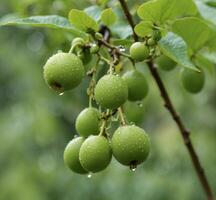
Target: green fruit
x=98, y=36
x=193, y=81
x=137, y=85
x=78, y=42
x=134, y=112
x=94, y=49
x=71, y=155
x=156, y=35
x=130, y=145
x=88, y=122
x=139, y=51
x=165, y=63
x=95, y=154
x=151, y=42
x=63, y=71
x=111, y=91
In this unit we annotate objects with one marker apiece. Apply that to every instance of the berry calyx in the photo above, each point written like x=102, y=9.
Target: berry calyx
x=63, y=71
x=88, y=122
x=130, y=145
x=139, y=51
x=165, y=63
x=71, y=155
x=193, y=81
x=95, y=154
x=111, y=91
x=137, y=85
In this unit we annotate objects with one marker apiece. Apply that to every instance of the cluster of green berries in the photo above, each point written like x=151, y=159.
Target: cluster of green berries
x=92, y=150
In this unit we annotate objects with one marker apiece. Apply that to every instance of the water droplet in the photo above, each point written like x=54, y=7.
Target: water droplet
x=140, y=105
x=89, y=175
x=60, y=94
x=133, y=168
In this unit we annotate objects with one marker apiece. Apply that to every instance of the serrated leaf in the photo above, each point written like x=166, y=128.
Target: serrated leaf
x=108, y=17
x=49, y=21
x=194, y=31
x=94, y=12
x=175, y=48
x=82, y=21
x=144, y=28
x=159, y=11
x=207, y=12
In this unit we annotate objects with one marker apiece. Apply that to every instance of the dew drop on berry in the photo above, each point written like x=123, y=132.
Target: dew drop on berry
x=60, y=94
x=89, y=175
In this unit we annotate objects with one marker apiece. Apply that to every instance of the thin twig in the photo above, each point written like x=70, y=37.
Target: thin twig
x=168, y=104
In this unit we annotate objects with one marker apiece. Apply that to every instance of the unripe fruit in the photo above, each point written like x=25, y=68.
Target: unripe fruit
x=130, y=145
x=85, y=56
x=94, y=49
x=71, y=155
x=165, y=63
x=88, y=122
x=151, y=42
x=78, y=42
x=95, y=154
x=139, y=51
x=98, y=36
x=63, y=71
x=137, y=85
x=193, y=81
x=156, y=35
x=111, y=91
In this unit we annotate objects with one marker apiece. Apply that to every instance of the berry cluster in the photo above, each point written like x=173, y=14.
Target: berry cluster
x=92, y=151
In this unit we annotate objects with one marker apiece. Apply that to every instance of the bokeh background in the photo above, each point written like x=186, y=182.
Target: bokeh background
x=36, y=124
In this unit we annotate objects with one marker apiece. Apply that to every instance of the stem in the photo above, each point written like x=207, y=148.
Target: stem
x=168, y=104
x=120, y=111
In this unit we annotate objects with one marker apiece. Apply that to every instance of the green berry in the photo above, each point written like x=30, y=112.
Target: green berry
x=95, y=154
x=193, y=81
x=85, y=56
x=78, y=42
x=139, y=51
x=88, y=122
x=98, y=36
x=151, y=42
x=71, y=155
x=156, y=35
x=165, y=63
x=94, y=49
x=63, y=71
x=111, y=91
x=130, y=145
x=137, y=85
x=134, y=111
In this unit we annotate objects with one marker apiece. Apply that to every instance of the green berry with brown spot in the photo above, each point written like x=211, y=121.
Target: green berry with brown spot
x=63, y=71
x=130, y=145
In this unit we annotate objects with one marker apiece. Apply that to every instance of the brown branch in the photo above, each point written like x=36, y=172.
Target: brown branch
x=168, y=104
x=129, y=17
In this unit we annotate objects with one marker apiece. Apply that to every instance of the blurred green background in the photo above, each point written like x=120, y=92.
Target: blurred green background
x=36, y=124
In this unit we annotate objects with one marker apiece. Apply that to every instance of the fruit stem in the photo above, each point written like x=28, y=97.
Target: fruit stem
x=121, y=115
x=103, y=126
x=168, y=104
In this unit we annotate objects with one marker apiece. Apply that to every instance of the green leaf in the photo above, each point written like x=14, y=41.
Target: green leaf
x=82, y=21
x=207, y=12
x=203, y=62
x=123, y=31
x=108, y=17
x=144, y=28
x=194, y=31
x=49, y=21
x=159, y=11
x=94, y=12
x=175, y=48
